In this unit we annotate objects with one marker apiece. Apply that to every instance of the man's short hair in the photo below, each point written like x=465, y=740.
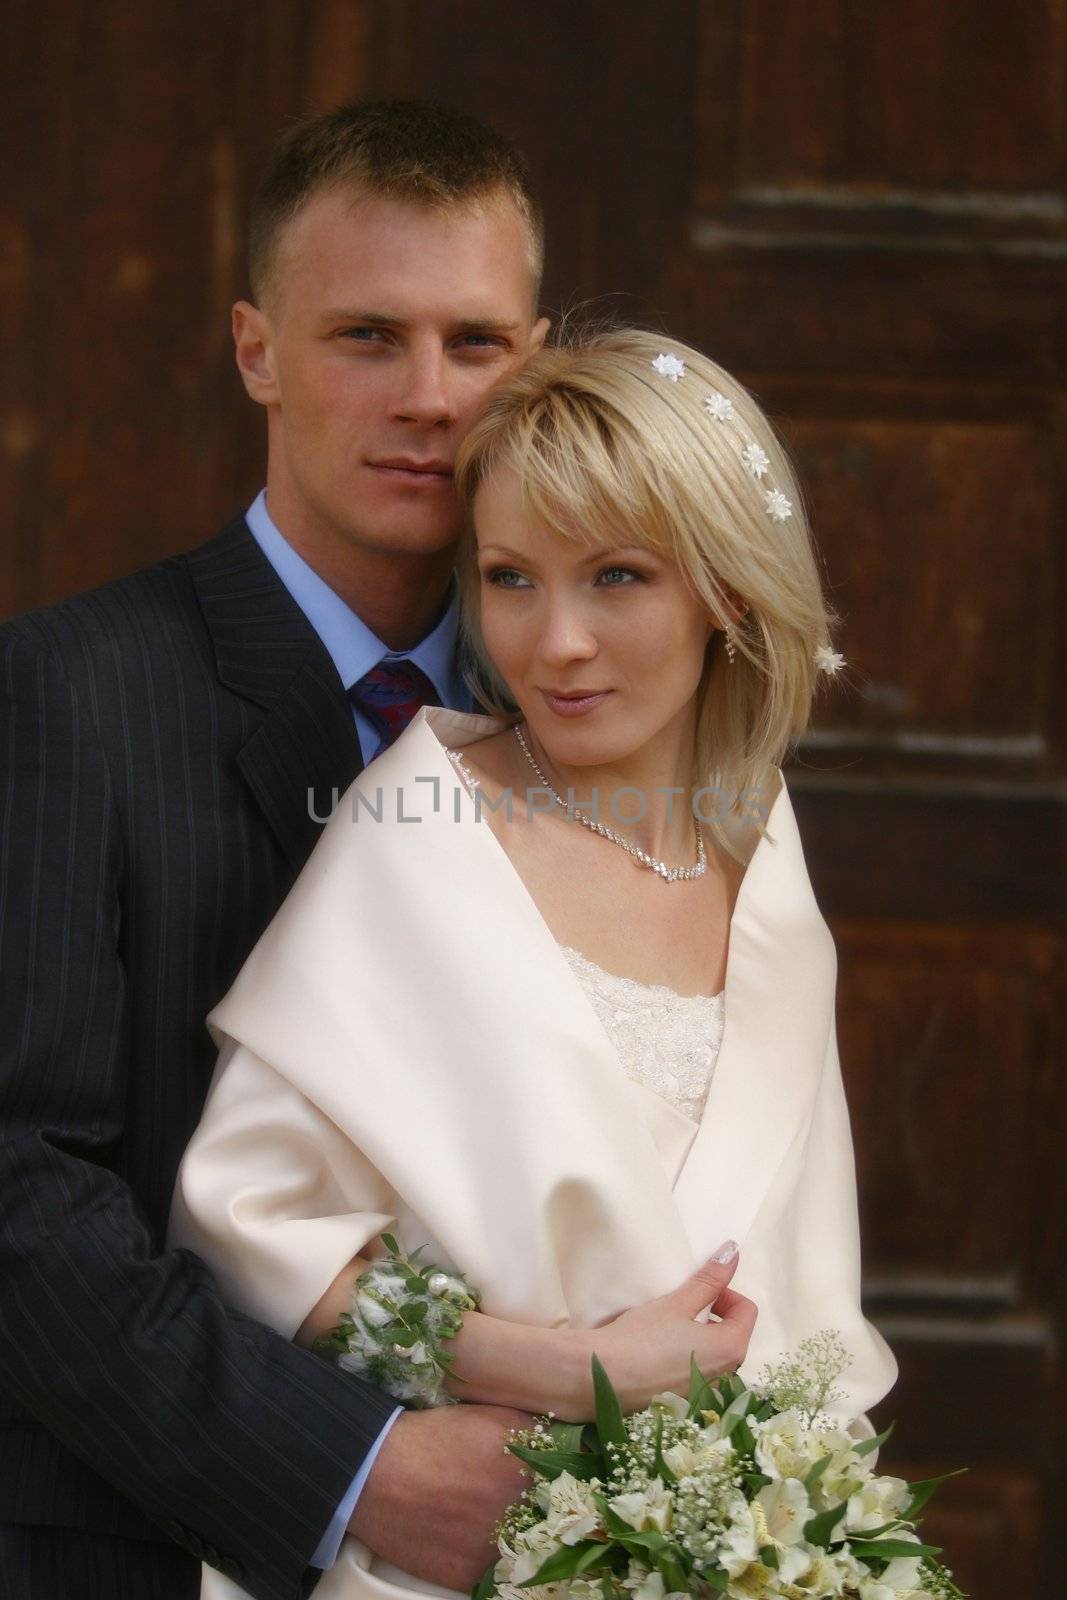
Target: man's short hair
x=410, y=150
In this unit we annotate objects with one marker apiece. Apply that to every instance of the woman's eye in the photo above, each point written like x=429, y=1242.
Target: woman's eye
x=615, y=577
x=505, y=578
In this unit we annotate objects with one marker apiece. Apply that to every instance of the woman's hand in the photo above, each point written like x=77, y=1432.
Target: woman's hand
x=647, y=1350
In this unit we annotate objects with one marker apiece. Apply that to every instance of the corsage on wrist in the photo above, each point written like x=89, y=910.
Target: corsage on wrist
x=402, y=1311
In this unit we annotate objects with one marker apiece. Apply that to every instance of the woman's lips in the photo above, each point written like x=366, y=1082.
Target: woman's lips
x=574, y=705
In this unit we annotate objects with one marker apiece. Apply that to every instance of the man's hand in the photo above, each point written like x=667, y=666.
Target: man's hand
x=439, y=1486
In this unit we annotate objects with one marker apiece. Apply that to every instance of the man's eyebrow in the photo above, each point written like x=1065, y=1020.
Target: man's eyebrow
x=384, y=319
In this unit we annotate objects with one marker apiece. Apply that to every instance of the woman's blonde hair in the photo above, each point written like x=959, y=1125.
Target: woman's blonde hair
x=609, y=447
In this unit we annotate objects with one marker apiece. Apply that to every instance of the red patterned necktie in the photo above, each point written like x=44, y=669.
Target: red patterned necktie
x=389, y=696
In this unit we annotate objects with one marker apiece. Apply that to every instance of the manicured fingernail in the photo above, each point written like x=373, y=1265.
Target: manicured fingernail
x=725, y=1252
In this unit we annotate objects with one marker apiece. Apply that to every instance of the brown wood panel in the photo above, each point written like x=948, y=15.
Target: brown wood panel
x=945, y=578
x=955, y=97
x=949, y=1041
x=988, y=1523
x=801, y=305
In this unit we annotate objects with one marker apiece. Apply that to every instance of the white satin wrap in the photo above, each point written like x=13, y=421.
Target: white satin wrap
x=407, y=1048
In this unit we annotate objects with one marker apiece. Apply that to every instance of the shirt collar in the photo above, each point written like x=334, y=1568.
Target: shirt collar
x=353, y=648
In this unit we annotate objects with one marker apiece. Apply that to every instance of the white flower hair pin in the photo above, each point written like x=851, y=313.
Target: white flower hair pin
x=828, y=661
x=720, y=408
x=669, y=366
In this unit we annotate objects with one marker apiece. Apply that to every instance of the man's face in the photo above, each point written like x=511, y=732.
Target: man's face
x=387, y=326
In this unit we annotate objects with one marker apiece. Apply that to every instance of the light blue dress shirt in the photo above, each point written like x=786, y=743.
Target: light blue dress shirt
x=351, y=645
x=354, y=650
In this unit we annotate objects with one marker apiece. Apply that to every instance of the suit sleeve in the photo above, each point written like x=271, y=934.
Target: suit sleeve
x=234, y=1441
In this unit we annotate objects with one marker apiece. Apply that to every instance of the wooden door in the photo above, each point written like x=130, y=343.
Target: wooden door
x=861, y=210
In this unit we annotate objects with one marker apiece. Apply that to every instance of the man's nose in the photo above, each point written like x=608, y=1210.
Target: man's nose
x=425, y=394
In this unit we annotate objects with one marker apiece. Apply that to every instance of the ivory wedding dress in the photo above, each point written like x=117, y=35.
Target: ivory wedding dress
x=409, y=1048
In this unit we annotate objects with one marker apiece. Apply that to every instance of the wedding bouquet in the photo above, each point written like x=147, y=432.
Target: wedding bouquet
x=749, y=1493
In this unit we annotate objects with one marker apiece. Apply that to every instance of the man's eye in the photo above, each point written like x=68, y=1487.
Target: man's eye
x=505, y=578
x=362, y=335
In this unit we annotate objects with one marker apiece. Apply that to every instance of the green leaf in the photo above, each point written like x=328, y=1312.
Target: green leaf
x=812, y=1476
x=390, y=1244
x=567, y=1435
x=598, y=1552
x=756, y=1481
x=769, y=1556
x=660, y=1468
x=622, y=1533
x=742, y=1438
x=485, y=1588
x=866, y=1446
x=561, y=1564
x=889, y=1549
x=818, y=1530
x=717, y=1577
x=550, y=1463
x=609, y=1423
x=701, y=1394
x=671, y=1570
x=650, y=1543
x=921, y=1492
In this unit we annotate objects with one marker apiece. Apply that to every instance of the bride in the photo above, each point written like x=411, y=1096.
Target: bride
x=552, y=996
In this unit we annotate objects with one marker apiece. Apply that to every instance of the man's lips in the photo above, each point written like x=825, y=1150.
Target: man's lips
x=411, y=470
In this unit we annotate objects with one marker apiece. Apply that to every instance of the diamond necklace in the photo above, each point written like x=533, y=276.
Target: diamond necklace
x=668, y=874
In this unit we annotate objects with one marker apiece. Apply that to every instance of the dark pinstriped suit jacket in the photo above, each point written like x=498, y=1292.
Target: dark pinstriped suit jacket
x=158, y=738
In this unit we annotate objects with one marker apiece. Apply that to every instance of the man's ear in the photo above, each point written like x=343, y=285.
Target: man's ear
x=539, y=333
x=253, y=339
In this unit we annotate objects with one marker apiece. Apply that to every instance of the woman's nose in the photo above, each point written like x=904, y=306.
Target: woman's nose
x=567, y=634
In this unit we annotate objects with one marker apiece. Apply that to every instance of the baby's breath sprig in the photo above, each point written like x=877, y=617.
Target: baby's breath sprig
x=804, y=1381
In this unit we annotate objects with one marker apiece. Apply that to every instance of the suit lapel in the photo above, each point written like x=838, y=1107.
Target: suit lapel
x=304, y=751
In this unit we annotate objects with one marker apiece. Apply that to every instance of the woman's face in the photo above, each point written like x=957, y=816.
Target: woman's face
x=602, y=647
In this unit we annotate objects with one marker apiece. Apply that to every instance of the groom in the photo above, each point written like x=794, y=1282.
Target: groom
x=168, y=741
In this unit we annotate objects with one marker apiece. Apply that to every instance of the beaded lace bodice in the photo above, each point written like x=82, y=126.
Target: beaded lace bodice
x=668, y=1042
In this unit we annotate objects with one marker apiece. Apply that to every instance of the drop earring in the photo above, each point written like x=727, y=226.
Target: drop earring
x=729, y=642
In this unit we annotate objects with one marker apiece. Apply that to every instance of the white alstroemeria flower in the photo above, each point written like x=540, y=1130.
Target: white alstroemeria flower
x=644, y=1585
x=669, y=1401
x=718, y=406
x=572, y=1514
x=738, y=1548
x=756, y=459
x=541, y=1591
x=780, y=1511
x=530, y=1558
x=876, y=1502
x=583, y=1589
x=778, y=508
x=669, y=366
x=684, y=1459
x=783, y=1445
x=828, y=661
x=646, y=1510
x=828, y=1574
